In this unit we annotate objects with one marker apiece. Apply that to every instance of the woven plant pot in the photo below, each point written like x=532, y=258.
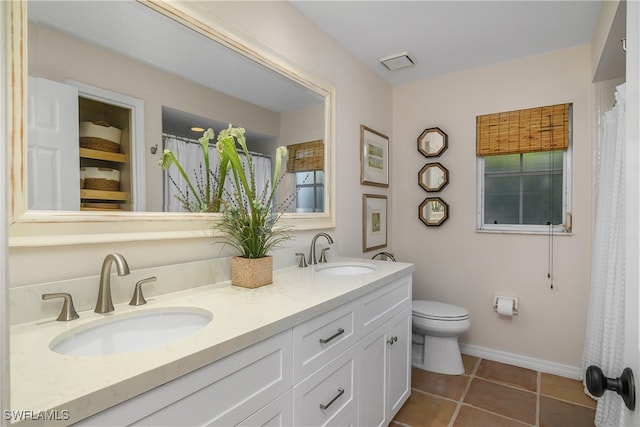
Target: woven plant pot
x=251, y=272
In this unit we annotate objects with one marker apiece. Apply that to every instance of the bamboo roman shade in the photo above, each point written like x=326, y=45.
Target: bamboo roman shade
x=306, y=156
x=523, y=131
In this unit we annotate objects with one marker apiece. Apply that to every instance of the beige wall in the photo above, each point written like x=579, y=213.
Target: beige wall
x=457, y=264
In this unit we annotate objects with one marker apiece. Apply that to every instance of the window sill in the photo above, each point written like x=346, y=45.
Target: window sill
x=529, y=231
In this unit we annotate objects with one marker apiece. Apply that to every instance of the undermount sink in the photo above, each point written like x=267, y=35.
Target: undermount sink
x=131, y=331
x=346, y=268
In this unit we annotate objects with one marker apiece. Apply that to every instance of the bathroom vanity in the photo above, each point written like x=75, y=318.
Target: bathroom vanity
x=313, y=348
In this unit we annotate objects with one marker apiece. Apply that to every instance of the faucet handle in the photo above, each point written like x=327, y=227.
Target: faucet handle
x=68, y=310
x=303, y=260
x=138, y=298
x=323, y=255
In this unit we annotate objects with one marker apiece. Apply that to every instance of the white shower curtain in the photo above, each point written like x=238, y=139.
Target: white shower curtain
x=189, y=154
x=605, y=335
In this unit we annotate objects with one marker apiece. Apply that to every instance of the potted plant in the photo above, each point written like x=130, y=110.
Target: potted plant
x=249, y=219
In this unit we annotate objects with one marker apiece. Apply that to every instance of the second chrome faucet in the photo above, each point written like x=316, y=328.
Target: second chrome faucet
x=105, y=302
x=312, y=251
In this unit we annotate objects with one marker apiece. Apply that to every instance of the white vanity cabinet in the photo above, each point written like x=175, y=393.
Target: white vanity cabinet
x=347, y=366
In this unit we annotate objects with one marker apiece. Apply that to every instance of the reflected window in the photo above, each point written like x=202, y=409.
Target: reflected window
x=310, y=191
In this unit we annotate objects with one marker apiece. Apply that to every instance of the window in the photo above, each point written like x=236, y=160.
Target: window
x=306, y=162
x=523, y=174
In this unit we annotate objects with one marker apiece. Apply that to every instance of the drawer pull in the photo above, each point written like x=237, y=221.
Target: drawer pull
x=337, y=334
x=391, y=340
x=340, y=393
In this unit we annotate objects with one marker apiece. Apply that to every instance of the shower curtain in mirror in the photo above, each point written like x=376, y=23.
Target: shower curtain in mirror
x=189, y=154
x=605, y=335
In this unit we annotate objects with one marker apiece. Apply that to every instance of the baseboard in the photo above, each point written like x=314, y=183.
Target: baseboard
x=546, y=366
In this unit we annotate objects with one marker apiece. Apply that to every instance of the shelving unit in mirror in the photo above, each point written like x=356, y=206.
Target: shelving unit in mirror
x=105, y=141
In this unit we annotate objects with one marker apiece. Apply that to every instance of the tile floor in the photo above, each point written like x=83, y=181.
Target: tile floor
x=492, y=394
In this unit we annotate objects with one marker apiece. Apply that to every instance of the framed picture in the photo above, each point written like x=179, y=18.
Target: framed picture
x=374, y=222
x=374, y=161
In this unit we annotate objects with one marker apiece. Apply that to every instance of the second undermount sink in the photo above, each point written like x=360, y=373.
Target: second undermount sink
x=131, y=331
x=346, y=268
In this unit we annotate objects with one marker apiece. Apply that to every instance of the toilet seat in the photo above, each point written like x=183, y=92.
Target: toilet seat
x=434, y=310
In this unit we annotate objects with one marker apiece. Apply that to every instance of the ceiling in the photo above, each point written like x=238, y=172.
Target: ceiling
x=442, y=36
x=448, y=36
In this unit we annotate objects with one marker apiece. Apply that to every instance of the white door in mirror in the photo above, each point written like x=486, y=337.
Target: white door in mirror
x=54, y=166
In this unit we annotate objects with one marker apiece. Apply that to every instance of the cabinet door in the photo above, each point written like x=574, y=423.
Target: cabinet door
x=385, y=371
x=52, y=146
x=372, y=406
x=278, y=413
x=399, y=361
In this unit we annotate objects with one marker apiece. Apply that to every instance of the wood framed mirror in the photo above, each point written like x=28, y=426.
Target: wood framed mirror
x=433, y=211
x=432, y=142
x=433, y=177
x=44, y=227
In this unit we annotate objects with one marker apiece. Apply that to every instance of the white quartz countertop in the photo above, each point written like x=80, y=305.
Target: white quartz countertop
x=42, y=380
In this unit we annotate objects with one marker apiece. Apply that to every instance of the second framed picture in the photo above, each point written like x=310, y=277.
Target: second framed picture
x=374, y=222
x=374, y=161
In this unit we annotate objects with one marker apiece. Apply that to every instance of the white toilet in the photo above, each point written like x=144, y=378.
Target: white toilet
x=436, y=327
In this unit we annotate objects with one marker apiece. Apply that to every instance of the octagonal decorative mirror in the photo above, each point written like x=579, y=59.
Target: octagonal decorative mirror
x=433, y=211
x=433, y=177
x=432, y=142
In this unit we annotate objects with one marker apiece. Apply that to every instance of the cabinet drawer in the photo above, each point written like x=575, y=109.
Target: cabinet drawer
x=256, y=376
x=329, y=395
x=224, y=392
x=317, y=341
x=381, y=305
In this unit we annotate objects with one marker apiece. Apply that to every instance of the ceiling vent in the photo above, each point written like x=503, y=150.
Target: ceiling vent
x=398, y=61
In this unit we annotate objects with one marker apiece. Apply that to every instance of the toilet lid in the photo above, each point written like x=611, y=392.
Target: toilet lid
x=438, y=310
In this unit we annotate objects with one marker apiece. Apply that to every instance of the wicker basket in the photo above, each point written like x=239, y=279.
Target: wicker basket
x=105, y=179
x=100, y=136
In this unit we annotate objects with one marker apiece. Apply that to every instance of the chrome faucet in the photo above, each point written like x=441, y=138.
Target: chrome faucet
x=312, y=253
x=105, y=303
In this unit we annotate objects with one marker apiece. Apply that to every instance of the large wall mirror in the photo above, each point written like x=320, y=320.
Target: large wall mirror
x=163, y=69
